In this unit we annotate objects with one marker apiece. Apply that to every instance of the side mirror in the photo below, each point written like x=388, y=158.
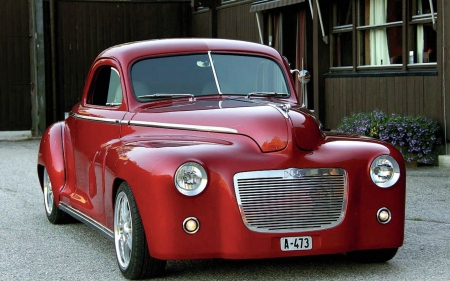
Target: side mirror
x=303, y=75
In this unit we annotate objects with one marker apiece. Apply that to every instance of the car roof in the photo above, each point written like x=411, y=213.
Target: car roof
x=129, y=52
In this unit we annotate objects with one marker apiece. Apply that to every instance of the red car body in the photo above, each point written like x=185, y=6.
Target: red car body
x=143, y=143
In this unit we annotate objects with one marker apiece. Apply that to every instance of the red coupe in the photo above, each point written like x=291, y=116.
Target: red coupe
x=201, y=148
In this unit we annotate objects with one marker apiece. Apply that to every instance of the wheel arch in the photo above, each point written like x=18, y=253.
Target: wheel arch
x=115, y=187
x=110, y=201
x=40, y=172
x=51, y=158
x=119, y=167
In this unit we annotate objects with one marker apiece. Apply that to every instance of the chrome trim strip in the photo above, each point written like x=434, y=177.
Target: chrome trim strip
x=96, y=119
x=183, y=127
x=87, y=220
x=157, y=124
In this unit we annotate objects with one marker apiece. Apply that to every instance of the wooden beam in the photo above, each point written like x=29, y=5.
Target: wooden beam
x=37, y=68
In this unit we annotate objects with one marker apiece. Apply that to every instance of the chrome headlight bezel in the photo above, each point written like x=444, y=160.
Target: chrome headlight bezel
x=384, y=171
x=190, y=179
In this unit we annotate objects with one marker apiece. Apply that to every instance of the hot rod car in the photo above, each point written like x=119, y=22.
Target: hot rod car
x=201, y=148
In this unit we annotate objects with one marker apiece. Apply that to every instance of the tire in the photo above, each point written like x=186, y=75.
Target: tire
x=373, y=256
x=132, y=251
x=54, y=214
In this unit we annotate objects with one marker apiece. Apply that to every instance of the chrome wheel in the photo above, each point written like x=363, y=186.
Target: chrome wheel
x=48, y=193
x=54, y=214
x=133, y=256
x=123, y=230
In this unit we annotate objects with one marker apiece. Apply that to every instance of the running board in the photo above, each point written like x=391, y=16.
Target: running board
x=103, y=230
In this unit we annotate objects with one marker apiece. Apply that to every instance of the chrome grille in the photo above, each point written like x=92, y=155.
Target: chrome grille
x=291, y=200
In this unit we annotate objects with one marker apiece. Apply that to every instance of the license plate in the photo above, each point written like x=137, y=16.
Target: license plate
x=296, y=243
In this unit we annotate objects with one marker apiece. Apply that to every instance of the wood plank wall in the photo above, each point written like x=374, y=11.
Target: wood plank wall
x=84, y=29
x=406, y=95
x=201, y=24
x=15, y=100
x=234, y=21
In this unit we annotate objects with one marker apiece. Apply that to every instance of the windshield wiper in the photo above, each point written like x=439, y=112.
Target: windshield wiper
x=170, y=96
x=267, y=94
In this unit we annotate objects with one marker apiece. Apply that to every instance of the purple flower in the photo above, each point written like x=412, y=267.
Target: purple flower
x=417, y=138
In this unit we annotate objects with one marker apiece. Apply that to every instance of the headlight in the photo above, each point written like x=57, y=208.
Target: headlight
x=190, y=179
x=384, y=171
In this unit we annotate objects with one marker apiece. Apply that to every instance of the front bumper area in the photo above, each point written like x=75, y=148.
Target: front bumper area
x=230, y=239
x=223, y=233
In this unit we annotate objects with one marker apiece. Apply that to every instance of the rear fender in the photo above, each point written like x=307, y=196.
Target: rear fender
x=51, y=156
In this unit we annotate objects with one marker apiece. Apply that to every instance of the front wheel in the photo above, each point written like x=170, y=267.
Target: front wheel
x=373, y=256
x=54, y=214
x=132, y=252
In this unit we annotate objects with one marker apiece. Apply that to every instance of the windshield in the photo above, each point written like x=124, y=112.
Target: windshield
x=195, y=75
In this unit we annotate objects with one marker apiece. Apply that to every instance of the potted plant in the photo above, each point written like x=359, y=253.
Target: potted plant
x=363, y=123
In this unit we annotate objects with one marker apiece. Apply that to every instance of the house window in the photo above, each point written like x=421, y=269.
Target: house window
x=371, y=33
x=342, y=33
x=423, y=22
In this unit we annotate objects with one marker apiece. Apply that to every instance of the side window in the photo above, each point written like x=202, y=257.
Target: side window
x=106, y=89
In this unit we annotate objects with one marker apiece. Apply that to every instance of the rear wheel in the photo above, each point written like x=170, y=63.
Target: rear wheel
x=373, y=256
x=132, y=252
x=54, y=214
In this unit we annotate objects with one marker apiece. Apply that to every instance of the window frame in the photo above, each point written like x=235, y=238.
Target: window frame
x=99, y=77
x=408, y=23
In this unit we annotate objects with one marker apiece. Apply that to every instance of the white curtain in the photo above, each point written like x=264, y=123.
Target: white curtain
x=379, y=51
x=420, y=43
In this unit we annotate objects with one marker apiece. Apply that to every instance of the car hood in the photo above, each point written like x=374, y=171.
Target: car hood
x=269, y=124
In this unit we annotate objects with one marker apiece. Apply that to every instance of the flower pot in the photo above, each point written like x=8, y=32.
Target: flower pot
x=411, y=164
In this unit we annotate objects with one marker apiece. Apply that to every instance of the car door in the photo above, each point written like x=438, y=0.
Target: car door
x=94, y=124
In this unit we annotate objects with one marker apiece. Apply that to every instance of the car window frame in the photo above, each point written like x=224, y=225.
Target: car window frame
x=93, y=76
x=274, y=60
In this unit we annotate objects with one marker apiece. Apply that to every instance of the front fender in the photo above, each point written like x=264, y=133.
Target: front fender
x=51, y=157
x=148, y=167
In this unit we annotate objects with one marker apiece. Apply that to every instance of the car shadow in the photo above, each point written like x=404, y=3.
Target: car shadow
x=312, y=268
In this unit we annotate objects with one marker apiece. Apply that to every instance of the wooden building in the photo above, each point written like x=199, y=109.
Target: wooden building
x=47, y=47
x=79, y=30
x=363, y=54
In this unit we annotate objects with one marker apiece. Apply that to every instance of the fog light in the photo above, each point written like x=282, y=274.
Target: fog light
x=384, y=215
x=191, y=225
